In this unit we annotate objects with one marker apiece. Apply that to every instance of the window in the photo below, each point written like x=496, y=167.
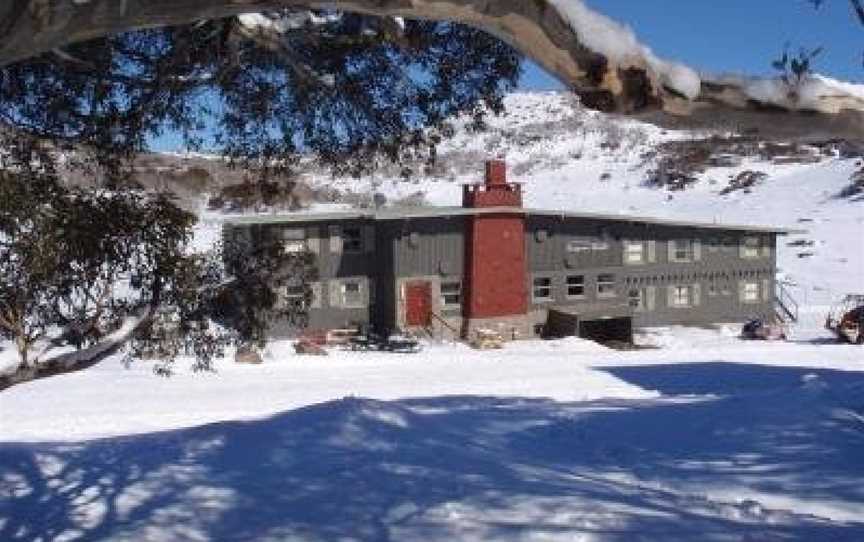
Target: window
x=295, y=296
x=352, y=239
x=750, y=292
x=682, y=296
x=681, y=250
x=576, y=286
x=606, y=285
x=714, y=244
x=293, y=240
x=634, y=252
x=451, y=294
x=635, y=299
x=352, y=294
x=542, y=289
x=750, y=248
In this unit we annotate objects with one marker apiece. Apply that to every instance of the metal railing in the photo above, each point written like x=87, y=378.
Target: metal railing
x=785, y=302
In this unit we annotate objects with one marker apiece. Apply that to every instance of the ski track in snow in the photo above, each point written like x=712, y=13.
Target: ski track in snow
x=703, y=437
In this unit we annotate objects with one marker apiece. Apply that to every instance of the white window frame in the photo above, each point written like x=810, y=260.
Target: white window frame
x=547, y=287
x=575, y=281
x=639, y=299
x=750, y=292
x=682, y=296
x=448, y=291
x=296, y=293
x=293, y=240
x=352, y=302
x=687, y=249
x=634, y=252
x=606, y=281
x=751, y=248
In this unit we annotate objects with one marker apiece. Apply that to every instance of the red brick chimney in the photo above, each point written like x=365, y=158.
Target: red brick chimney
x=495, y=191
x=495, y=277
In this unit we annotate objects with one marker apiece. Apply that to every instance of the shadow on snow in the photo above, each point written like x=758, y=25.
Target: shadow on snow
x=682, y=467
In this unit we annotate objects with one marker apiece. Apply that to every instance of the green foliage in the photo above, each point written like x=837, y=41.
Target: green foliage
x=80, y=260
x=348, y=91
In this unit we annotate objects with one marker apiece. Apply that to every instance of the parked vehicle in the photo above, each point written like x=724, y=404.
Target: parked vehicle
x=846, y=319
x=758, y=329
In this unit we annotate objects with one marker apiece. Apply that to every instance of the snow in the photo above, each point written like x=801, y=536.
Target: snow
x=696, y=436
x=815, y=92
x=620, y=45
x=705, y=438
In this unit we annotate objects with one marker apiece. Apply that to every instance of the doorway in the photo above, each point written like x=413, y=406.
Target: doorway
x=418, y=304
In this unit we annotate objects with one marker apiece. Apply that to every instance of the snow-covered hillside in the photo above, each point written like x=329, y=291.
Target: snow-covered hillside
x=576, y=160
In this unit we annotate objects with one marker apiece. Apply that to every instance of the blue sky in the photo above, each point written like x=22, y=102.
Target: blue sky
x=737, y=35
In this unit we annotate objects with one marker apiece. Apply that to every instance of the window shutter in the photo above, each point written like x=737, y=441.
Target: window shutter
x=369, y=238
x=650, y=298
x=313, y=240
x=335, y=239
x=316, y=295
x=652, y=251
x=697, y=294
x=697, y=250
x=670, y=296
x=364, y=293
x=766, y=247
x=766, y=289
x=670, y=246
x=335, y=294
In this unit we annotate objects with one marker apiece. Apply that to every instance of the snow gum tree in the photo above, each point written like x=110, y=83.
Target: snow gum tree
x=75, y=262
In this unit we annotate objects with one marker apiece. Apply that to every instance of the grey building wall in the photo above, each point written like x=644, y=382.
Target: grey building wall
x=433, y=249
x=715, y=272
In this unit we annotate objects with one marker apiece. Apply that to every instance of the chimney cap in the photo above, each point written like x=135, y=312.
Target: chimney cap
x=496, y=171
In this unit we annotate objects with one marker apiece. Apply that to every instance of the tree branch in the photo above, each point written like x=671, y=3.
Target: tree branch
x=631, y=84
x=858, y=7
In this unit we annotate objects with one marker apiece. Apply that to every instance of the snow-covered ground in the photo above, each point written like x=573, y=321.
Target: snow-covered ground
x=703, y=437
x=699, y=436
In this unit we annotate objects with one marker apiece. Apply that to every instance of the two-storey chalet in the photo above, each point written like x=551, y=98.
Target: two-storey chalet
x=493, y=264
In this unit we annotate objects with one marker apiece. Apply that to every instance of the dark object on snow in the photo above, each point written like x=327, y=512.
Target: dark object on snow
x=760, y=330
x=309, y=348
x=846, y=319
x=247, y=354
x=366, y=341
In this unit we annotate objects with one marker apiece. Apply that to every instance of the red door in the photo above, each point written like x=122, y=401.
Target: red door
x=418, y=304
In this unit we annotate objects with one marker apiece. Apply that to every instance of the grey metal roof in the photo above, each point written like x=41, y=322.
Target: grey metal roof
x=403, y=213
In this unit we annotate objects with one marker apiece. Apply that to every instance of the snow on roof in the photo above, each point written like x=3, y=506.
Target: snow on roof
x=395, y=213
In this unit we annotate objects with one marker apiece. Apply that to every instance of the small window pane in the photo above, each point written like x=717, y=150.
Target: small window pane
x=576, y=286
x=542, y=288
x=451, y=294
x=352, y=239
x=635, y=298
x=633, y=252
x=681, y=296
x=751, y=248
x=351, y=294
x=606, y=285
x=751, y=292
x=682, y=250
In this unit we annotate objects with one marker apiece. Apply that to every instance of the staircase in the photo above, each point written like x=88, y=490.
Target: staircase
x=785, y=306
x=430, y=329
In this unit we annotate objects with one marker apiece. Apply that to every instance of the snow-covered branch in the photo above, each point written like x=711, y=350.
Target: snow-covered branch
x=600, y=59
